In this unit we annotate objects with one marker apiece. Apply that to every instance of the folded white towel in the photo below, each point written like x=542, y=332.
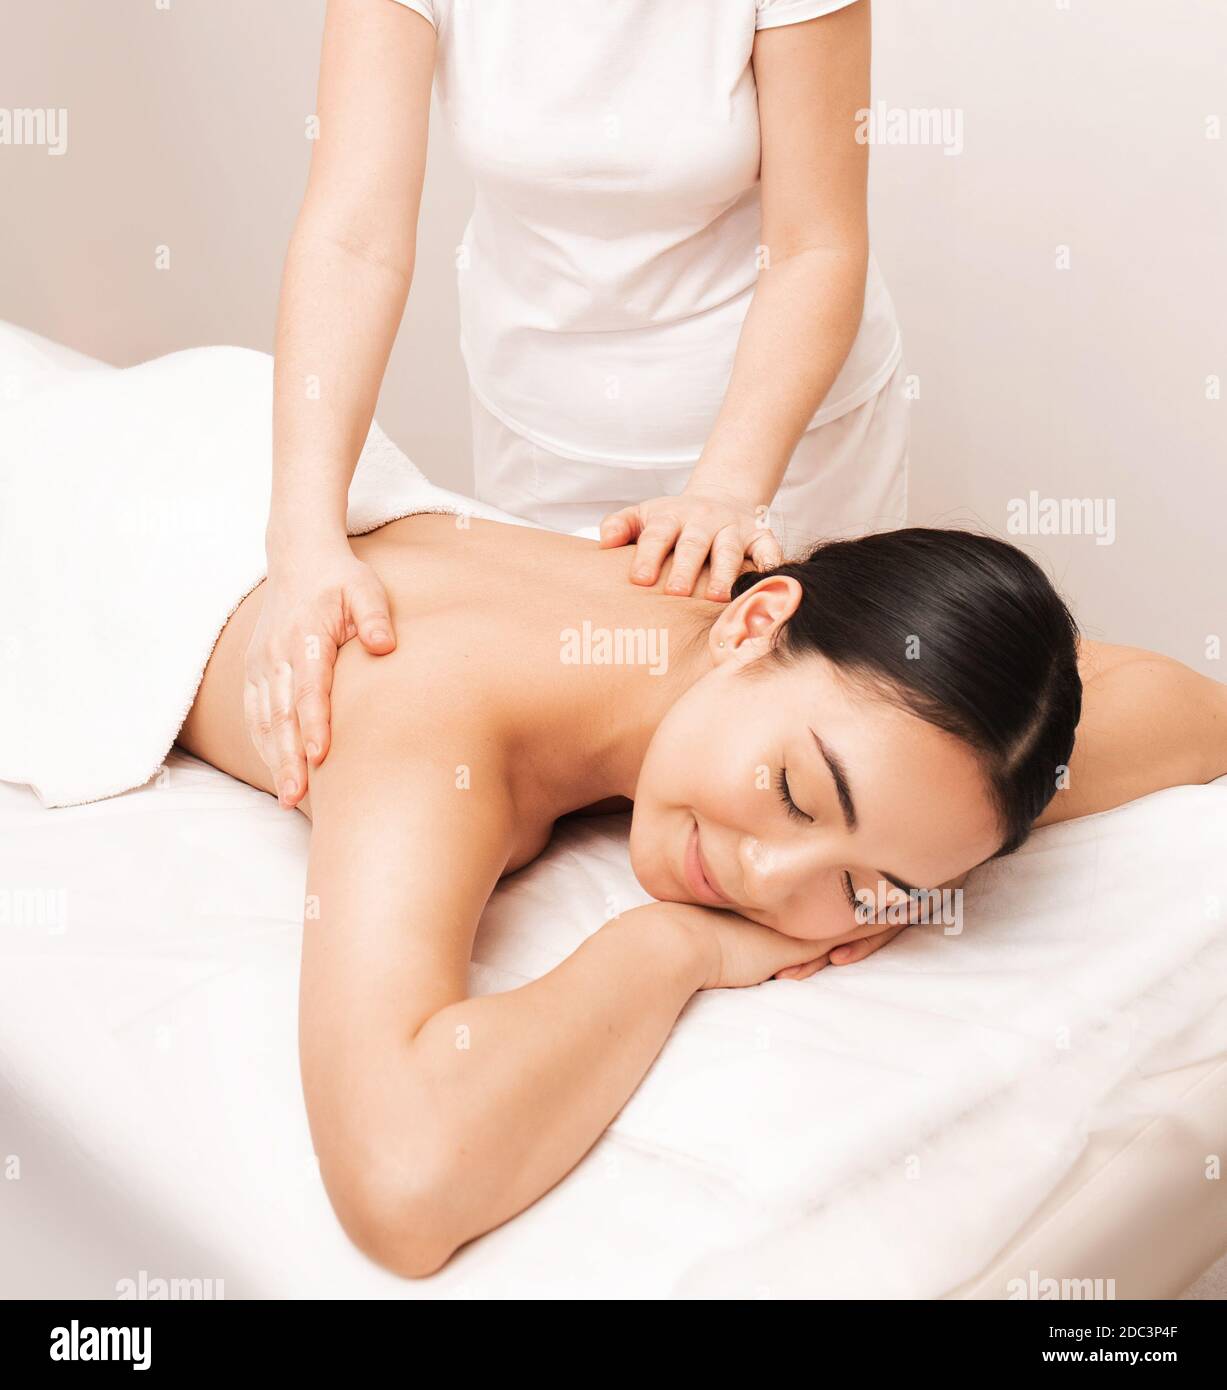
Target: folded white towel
x=132, y=512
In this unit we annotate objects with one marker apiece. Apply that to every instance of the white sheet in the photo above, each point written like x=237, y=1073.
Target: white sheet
x=149, y=1083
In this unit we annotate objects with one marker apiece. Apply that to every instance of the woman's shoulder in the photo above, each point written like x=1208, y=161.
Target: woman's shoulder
x=427, y=724
x=1099, y=659
x=429, y=699
x=1148, y=722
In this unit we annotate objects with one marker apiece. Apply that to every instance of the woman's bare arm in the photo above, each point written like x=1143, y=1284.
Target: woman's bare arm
x=811, y=78
x=346, y=278
x=437, y=1116
x=350, y=260
x=1148, y=722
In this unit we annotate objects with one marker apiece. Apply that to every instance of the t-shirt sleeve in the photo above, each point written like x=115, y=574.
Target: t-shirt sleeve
x=426, y=8
x=772, y=14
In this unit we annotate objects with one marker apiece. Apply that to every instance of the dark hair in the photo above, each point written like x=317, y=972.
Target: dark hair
x=963, y=630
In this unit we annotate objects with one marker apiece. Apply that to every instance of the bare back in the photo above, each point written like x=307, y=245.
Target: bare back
x=478, y=609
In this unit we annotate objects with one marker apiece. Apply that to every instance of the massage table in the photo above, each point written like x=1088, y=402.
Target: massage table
x=871, y=1131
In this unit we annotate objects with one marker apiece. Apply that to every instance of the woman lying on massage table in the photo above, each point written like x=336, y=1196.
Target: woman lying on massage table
x=894, y=710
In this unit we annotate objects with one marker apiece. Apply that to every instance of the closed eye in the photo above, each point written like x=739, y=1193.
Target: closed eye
x=845, y=882
x=794, y=811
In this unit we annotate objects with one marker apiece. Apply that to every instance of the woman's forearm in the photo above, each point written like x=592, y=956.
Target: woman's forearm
x=800, y=327
x=524, y=1083
x=341, y=305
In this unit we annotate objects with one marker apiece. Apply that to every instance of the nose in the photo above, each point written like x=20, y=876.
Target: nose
x=773, y=870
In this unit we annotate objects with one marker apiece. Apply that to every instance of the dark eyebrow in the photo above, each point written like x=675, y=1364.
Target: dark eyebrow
x=842, y=790
x=840, y=778
x=899, y=883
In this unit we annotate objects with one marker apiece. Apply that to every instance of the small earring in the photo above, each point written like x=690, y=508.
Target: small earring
x=720, y=643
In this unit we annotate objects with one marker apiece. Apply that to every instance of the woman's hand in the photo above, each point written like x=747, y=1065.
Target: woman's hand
x=312, y=606
x=702, y=520
x=736, y=952
x=846, y=954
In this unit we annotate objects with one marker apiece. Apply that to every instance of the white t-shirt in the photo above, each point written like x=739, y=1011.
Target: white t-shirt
x=612, y=250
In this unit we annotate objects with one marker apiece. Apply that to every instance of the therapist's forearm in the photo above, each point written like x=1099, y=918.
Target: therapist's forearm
x=341, y=305
x=799, y=329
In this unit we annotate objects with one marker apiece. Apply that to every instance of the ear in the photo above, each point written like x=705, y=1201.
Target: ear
x=749, y=625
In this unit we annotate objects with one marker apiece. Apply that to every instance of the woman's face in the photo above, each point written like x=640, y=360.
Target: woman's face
x=876, y=792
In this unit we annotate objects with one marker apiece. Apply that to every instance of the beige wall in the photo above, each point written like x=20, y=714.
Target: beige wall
x=1083, y=125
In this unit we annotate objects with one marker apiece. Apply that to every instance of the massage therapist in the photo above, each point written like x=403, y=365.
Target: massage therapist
x=669, y=312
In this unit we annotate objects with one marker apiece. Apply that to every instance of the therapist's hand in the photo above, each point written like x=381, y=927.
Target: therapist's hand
x=313, y=604
x=701, y=521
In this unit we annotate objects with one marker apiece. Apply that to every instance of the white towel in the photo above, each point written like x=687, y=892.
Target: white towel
x=133, y=504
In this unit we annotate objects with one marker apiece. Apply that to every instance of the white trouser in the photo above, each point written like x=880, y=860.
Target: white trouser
x=846, y=477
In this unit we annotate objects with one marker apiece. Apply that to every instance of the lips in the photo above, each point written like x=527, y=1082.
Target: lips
x=698, y=880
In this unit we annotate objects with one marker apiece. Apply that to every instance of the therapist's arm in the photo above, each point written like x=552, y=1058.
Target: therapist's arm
x=347, y=274
x=812, y=79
